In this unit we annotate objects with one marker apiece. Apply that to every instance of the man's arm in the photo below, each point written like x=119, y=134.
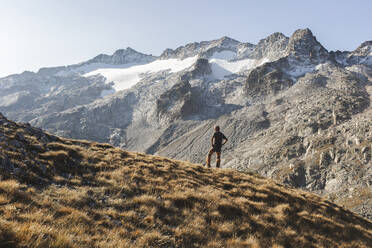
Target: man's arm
x=224, y=137
x=212, y=141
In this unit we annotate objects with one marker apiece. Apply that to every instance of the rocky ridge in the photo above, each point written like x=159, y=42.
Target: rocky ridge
x=205, y=49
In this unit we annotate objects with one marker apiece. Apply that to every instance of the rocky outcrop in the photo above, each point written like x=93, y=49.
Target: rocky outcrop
x=122, y=56
x=103, y=121
x=272, y=48
x=201, y=68
x=176, y=103
x=361, y=55
x=266, y=80
x=303, y=45
x=296, y=56
x=204, y=49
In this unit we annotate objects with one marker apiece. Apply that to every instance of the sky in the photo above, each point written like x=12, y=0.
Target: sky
x=44, y=33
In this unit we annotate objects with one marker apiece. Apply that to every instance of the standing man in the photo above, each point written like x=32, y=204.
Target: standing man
x=216, y=146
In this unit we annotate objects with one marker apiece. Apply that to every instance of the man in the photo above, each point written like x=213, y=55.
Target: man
x=217, y=144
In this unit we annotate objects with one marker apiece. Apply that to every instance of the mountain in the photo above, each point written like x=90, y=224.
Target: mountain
x=57, y=192
x=292, y=110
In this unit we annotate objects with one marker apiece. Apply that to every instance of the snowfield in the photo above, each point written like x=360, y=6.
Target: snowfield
x=125, y=78
x=222, y=68
x=127, y=75
x=223, y=64
x=225, y=55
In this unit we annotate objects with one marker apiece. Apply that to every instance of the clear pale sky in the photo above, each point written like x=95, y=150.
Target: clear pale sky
x=40, y=33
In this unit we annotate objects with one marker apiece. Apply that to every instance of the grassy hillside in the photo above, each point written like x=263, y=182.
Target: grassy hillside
x=57, y=192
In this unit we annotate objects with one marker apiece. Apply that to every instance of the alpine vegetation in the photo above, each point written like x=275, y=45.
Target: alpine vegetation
x=57, y=192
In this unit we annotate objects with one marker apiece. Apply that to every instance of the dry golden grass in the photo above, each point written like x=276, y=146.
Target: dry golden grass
x=80, y=194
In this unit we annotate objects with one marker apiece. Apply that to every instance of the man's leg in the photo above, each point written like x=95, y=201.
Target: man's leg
x=209, y=157
x=218, y=162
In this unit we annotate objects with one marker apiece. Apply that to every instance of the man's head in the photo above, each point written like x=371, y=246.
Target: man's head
x=217, y=128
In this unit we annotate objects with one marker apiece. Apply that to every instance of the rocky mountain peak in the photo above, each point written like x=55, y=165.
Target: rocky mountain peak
x=365, y=49
x=123, y=56
x=303, y=34
x=275, y=37
x=125, y=51
x=304, y=44
x=366, y=43
x=272, y=47
x=204, y=48
x=361, y=55
x=226, y=41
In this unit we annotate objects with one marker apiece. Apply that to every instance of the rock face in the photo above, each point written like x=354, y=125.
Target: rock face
x=177, y=102
x=204, y=49
x=292, y=110
x=273, y=47
x=267, y=80
x=122, y=56
x=303, y=44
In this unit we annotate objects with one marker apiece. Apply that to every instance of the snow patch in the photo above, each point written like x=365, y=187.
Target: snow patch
x=222, y=68
x=9, y=100
x=300, y=70
x=124, y=78
x=321, y=67
x=244, y=51
x=107, y=92
x=263, y=61
x=225, y=55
